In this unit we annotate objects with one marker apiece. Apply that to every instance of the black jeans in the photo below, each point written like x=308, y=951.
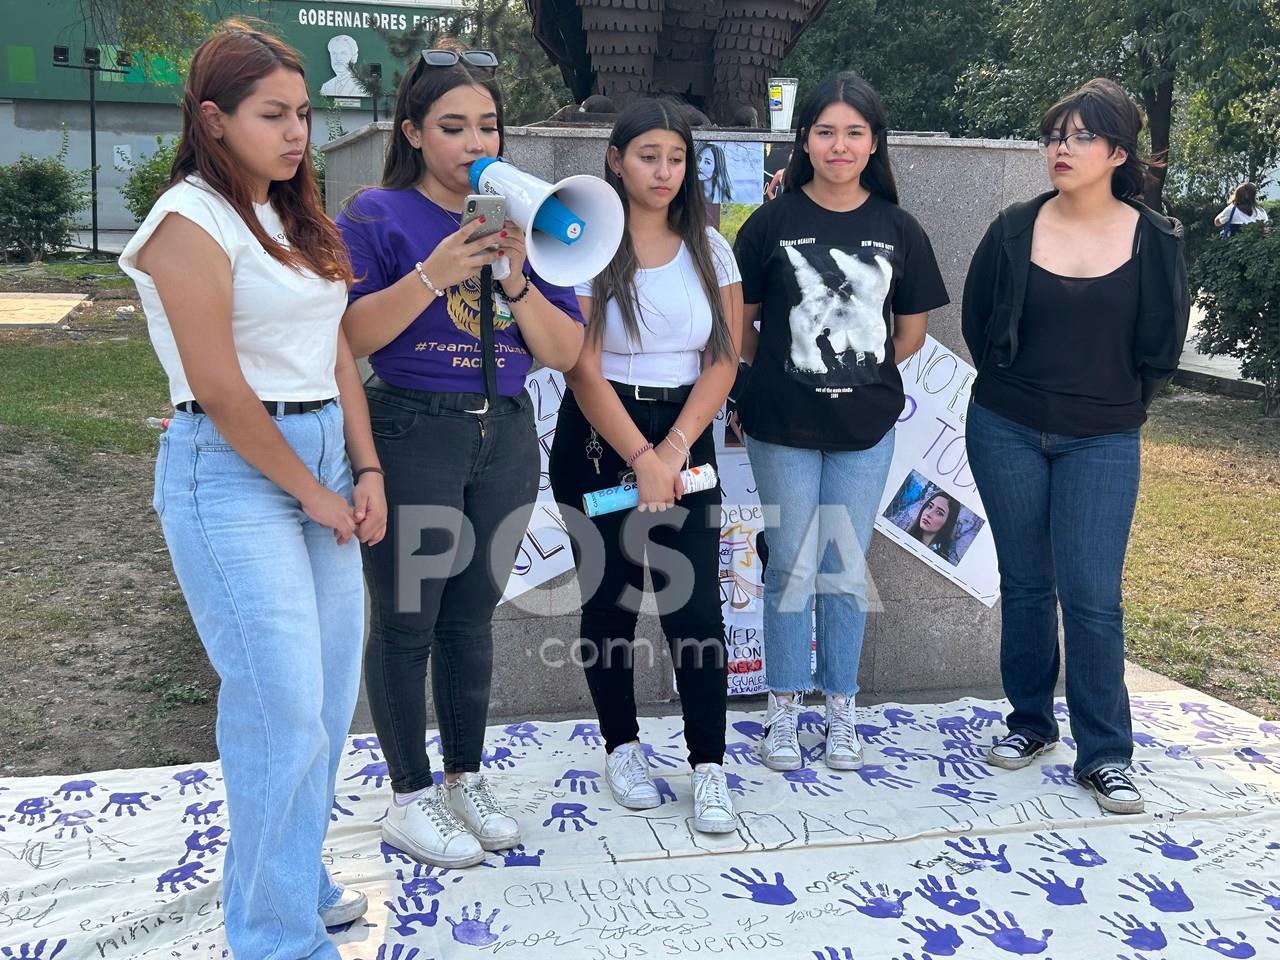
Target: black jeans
x=683, y=545
x=453, y=478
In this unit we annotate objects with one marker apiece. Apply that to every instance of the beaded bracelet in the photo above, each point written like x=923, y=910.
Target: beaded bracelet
x=631, y=460
x=426, y=281
x=524, y=291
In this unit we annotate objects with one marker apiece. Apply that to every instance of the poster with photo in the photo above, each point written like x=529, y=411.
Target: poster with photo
x=730, y=172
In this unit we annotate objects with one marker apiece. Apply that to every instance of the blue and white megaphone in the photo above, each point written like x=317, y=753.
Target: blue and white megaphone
x=572, y=228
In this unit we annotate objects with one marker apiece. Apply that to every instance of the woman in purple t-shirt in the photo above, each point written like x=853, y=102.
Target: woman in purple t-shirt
x=454, y=429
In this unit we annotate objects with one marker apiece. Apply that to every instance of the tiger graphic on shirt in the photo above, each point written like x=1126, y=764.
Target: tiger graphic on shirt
x=463, y=305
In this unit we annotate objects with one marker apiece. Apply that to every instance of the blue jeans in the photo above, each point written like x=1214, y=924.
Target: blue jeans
x=279, y=607
x=1060, y=510
x=817, y=551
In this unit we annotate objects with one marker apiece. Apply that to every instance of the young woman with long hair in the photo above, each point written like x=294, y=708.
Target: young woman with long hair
x=841, y=280
x=453, y=426
x=1075, y=312
x=935, y=525
x=243, y=281
x=1241, y=209
x=664, y=322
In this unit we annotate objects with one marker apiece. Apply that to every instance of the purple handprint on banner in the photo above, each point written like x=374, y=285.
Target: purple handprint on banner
x=962, y=768
x=33, y=951
x=368, y=745
x=965, y=748
x=738, y=785
x=1141, y=739
x=398, y=951
x=740, y=752
x=188, y=876
x=1273, y=923
x=392, y=855
x=74, y=790
x=588, y=733
x=371, y=773
x=808, y=780
x=665, y=792
x=1255, y=758
x=944, y=895
x=194, y=778
x=903, y=755
x=1205, y=711
x=1079, y=854
x=522, y=735
x=870, y=733
x=579, y=781
x=984, y=718
x=471, y=930
x=564, y=814
x=1059, y=774
x=939, y=940
x=811, y=721
x=500, y=759
x=898, y=717
x=1056, y=890
x=423, y=880
x=1165, y=897
x=204, y=842
x=69, y=824
x=980, y=853
x=1061, y=710
x=31, y=811
x=956, y=726
x=759, y=888
x=337, y=809
x=1268, y=896
x=410, y=913
x=834, y=953
x=1180, y=751
x=1132, y=932
x=1151, y=841
x=129, y=803
x=878, y=902
x=875, y=775
x=1008, y=935
x=658, y=759
x=1208, y=936
x=963, y=794
x=517, y=856
x=201, y=813
x=750, y=729
x=1269, y=729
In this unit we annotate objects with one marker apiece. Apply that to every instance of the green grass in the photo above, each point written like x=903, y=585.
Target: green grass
x=102, y=274
x=87, y=396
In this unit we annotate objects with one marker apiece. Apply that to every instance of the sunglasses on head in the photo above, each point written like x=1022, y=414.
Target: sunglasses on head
x=484, y=59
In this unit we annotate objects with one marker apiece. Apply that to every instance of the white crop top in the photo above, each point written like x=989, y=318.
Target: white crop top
x=674, y=319
x=284, y=322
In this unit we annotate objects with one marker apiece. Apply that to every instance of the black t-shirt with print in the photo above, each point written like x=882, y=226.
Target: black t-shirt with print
x=824, y=376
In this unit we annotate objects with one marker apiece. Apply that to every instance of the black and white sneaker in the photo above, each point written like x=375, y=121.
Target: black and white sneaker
x=1014, y=751
x=1113, y=789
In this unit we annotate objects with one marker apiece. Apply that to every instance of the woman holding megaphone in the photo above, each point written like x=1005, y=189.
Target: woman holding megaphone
x=454, y=430
x=660, y=357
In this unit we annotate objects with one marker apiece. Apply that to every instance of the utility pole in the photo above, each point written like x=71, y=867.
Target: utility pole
x=93, y=66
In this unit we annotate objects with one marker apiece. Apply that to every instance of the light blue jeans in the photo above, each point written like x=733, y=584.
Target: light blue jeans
x=279, y=607
x=818, y=552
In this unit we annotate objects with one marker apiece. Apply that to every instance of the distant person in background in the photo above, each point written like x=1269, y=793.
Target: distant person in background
x=1243, y=208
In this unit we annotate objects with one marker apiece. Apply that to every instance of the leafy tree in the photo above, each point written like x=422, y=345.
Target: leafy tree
x=911, y=51
x=1226, y=50
x=169, y=29
x=39, y=198
x=1239, y=289
x=148, y=178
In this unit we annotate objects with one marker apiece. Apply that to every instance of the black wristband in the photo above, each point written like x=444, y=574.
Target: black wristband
x=378, y=470
x=524, y=291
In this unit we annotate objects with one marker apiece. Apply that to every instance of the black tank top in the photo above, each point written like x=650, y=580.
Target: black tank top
x=1074, y=373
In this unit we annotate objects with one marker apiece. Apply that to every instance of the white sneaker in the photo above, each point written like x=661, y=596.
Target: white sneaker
x=348, y=907
x=780, y=749
x=627, y=772
x=844, y=749
x=712, y=805
x=428, y=830
x=473, y=801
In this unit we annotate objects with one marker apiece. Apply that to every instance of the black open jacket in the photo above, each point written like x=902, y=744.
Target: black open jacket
x=996, y=287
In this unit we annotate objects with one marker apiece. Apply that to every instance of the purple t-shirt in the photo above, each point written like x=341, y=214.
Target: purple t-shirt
x=387, y=232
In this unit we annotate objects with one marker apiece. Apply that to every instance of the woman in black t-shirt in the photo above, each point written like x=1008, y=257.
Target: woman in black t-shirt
x=841, y=280
x=1075, y=311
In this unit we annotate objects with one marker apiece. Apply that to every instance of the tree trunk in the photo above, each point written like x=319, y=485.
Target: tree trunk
x=1158, y=101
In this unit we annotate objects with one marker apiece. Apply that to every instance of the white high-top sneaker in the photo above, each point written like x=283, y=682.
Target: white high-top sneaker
x=844, y=749
x=347, y=908
x=428, y=830
x=780, y=749
x=712, y=805
x=627, y=772
x=473, y=801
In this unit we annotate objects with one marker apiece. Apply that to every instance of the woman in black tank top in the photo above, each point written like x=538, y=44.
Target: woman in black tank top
x=1075, y=310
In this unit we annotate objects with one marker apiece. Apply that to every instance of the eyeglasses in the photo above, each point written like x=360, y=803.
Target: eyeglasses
x=485, y=59
x=1080, y=139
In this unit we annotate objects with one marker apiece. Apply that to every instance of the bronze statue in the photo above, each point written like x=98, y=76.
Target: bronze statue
x=714, y=54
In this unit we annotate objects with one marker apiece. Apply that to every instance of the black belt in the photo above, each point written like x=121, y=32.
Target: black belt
x=277, y=408
x=636, y=391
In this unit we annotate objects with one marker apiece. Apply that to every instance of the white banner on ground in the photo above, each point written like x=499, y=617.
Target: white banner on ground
x=930, y=504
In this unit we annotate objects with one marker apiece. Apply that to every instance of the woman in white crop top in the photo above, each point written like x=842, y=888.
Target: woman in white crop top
x=244, y=281
x=660, y=356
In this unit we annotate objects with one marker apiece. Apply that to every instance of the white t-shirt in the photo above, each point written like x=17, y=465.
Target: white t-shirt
x=1237, y=215
x=674, y=319
x=284, y=322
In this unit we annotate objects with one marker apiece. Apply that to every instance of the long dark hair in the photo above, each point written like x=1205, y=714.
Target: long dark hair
x=686, y=216
x=1105, y=109
x=719, y=185
x=419, y=89
x=944, y=539
x=1245, y=198
x=225, y=69
x=849, y=88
